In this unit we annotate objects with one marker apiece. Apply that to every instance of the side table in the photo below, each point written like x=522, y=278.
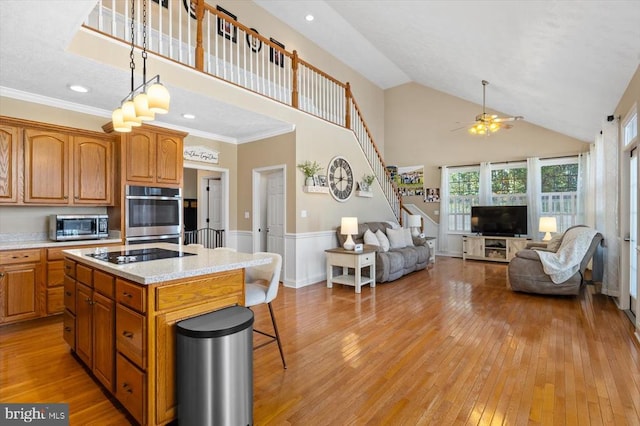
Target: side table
x=351, y=259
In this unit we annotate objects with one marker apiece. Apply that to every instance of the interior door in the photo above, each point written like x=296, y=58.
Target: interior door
x=633, y=231
x=215, y=204
x=275, y=213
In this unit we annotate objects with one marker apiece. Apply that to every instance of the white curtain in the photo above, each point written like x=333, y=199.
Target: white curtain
x=583, y=190
x=486, y=191
x=606, y=195
x=533, y=196
x=443, y=231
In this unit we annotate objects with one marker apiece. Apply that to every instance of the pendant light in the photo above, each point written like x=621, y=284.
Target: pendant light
x=144, y=101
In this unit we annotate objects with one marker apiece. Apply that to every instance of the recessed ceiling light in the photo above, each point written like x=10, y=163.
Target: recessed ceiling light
x=309, y=17
x=78, y=88
x=188, y=116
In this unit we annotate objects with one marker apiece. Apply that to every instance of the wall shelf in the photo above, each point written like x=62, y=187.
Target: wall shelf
x=316, y=189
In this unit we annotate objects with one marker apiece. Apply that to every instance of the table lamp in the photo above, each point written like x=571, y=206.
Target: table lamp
x=348, y=227
x=415, y=223
x=548, y=225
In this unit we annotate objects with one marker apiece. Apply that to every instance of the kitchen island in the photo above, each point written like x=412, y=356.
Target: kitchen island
x=120, y=318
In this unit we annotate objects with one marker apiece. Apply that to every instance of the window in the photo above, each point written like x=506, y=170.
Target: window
x=559, y=191
x=464, y=189
x=630, y=127
x=509, y=186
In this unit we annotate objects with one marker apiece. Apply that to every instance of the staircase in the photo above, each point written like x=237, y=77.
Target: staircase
x=206, y=38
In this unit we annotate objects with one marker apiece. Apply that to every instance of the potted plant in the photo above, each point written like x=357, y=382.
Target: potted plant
x=367, y=180
x=309, y=169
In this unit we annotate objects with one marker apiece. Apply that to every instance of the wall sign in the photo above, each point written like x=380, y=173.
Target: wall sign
x=200, y=153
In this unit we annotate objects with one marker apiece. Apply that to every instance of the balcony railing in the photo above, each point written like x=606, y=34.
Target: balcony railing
x=211, y=40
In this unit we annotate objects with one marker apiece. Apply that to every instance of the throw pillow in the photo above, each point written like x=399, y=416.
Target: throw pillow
x=408, y=239
x=370, y=238
x=396, y=238
x=383, y=240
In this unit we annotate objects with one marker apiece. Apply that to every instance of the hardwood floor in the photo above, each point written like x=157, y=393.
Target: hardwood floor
x=451, y=345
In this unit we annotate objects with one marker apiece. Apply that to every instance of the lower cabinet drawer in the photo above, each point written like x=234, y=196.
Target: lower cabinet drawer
x=69, y=329
x=130, y=334
x=130, y=387
x=70, y=294
x=55, y=300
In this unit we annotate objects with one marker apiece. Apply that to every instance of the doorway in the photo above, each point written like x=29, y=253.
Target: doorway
x=633, y=232
x=269, y=210
x=206, y=195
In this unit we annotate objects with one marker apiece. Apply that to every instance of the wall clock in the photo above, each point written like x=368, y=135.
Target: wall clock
x=340, y=178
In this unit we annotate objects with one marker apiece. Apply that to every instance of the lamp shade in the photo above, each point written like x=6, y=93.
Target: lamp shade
x=118, y=122
x=547, y=224
x=414, y=221
x=129, y=114
x=349, y=226
x=141, y=103
x=159, y=98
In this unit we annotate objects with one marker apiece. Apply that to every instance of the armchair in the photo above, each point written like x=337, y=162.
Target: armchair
x=527, y=270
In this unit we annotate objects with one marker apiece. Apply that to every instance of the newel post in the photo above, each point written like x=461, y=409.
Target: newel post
x=294, y=86
x=347, y=105
x=199, y=30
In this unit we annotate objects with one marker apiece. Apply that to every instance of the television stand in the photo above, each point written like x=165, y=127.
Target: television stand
x=494, y=249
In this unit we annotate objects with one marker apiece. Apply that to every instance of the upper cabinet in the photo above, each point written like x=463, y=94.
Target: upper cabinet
x=93, y=171
x=46, y=167
x=9, y=143
x=51, y=165
x=153, y=156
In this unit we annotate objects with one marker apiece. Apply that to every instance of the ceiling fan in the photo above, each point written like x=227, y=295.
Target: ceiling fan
x=486, y=124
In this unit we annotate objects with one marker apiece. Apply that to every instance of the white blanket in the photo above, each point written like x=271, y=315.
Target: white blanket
x=561, y=265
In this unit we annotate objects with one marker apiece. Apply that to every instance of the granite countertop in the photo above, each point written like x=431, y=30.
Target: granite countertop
x=45, y=243
x=206, y=261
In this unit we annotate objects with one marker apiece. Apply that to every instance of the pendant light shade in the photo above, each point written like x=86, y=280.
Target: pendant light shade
x=141, y=102
x=118, y=122
x=129, y=114
x=159, y=98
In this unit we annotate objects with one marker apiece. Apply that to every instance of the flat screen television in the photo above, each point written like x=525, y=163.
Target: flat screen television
x=499, y=221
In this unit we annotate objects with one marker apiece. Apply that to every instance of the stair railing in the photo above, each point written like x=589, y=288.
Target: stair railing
x=211, y=40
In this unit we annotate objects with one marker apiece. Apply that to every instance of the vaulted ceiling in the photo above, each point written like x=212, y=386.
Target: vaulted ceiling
x=562, y=64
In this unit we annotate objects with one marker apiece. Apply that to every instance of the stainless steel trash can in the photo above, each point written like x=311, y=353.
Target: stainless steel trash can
x=215, y=368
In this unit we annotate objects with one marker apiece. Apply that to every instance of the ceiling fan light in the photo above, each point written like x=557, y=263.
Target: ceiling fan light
x=158, y=98
x=118, y=121
x=141, y=103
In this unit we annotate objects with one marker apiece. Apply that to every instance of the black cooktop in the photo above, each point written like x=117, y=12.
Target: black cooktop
x=138, y=255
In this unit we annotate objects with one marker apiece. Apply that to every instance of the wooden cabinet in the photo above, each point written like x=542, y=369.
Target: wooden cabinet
x=20, y=285
x=153, y=156
x=142, y=349
x=46, y=167
x=93, y=171
x=496, y=249
x=93, y=314
x=9, y=164
x=46, y=164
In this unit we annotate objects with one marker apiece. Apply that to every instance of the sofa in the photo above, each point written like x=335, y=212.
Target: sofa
x=400, y=259
x=527, y=272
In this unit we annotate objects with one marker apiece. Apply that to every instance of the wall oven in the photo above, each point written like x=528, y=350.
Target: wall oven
x=152, y=214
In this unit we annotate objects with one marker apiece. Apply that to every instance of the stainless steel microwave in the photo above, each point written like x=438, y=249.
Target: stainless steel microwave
x=64, y=227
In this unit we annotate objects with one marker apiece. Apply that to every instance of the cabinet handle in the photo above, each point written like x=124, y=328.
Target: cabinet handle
x=1, y=274
x=126, y=387
x=125, y=294
x=65, y=197
x=89, y=301
x=68, y=293
x=67, y=267
x=67, y=328
x=127, y=334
